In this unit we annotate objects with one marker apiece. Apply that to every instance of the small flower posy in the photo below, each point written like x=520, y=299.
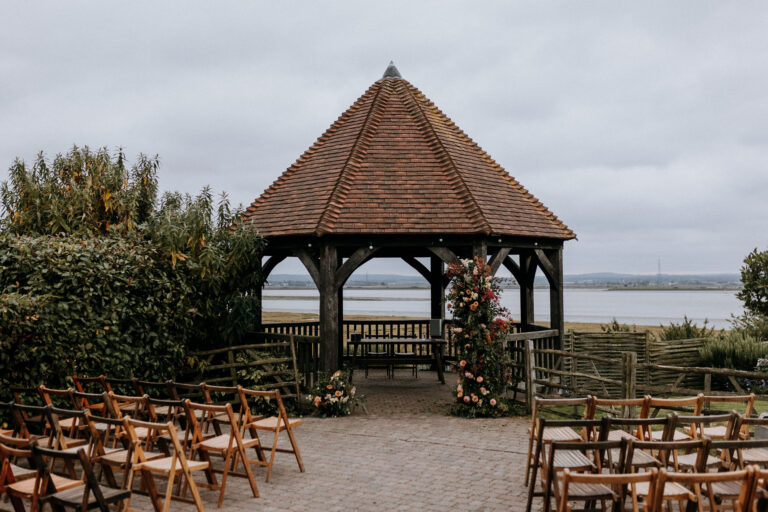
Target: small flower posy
x=334, y=395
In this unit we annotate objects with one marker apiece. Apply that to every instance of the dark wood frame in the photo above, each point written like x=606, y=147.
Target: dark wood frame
x=331, y=260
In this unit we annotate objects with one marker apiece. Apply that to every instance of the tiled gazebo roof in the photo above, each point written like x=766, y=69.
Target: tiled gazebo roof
x=393, y=163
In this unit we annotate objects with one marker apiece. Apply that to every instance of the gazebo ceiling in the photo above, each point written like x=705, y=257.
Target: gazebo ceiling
x=392, y=164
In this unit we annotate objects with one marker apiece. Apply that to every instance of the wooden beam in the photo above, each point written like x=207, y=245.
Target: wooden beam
x=353, y=263
x=546, y=266
x=330, y=330
x=528, y=272
x=480, y=250
x=437, y=283
x=269, y=266
x=310, y=264
x=556, y=309
x=498, y=258
x=513, y=267
x=445, y=254
x=419, y=267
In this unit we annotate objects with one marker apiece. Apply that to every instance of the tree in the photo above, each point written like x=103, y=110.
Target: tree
x=754, y=278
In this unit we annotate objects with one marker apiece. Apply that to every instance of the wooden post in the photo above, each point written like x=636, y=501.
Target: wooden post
x=329, y=309
x=707, y=388
x=529, y=363
x=527, y=271
x=259, y=297
x=480, y=250
x=437, y=289
x=556, y=316
x=629, y=379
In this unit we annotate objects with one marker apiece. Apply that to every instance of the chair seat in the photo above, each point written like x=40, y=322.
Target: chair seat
x=164, y=465
x=640, y=459
x=117, y=456
x=618, y=435
x=677, y=436
x=671, y=490
x=560, y=434
x=755, y=456
x=571, y=459
x=71, y=442
x=688, y=460
x=27, y=487
x=67, y=423
x=714, y=432
x=221, y=443
x=20, y=473
x=590, y=491
x=727, y=489
x=271, y=423
x=162, y=410
x=74, y=497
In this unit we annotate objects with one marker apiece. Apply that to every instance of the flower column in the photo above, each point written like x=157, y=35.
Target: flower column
x=480, y=325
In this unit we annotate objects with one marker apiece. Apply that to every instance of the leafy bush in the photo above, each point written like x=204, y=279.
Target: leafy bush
x=685, y=330
x=754, y=278
x=734, y=350
x=88, y=306
x=97, y=276
x=615, y=326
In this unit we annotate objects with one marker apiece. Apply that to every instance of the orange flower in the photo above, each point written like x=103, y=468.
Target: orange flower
x=329, y=386
x=473, y=306
x=338, y=393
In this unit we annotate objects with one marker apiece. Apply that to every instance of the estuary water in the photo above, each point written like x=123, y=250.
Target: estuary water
x=640, y=307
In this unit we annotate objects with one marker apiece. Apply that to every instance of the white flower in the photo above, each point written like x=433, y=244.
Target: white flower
x=474, y=296
x=334, y=400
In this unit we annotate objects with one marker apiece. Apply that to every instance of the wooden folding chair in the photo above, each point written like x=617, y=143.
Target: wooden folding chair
x=213, y=395
x=155, y=390
x=94, y=402
x=666, y=459
x=62, y=398
x=119, y=386
x=639, y=429
x=733, y=486
x=89, y=495
x=9, y=471
x=654, y=405
x=169, y=467
x=590, y=486
x=554, y=434
x=624, y=407
x=705, y=404
x=274, y=424
x=96, y=385
x=586, y=456
x=27, y=489
x=575, y=460
x=743, y=429
x=28, y=419
x=225, y=445
x=699, y=425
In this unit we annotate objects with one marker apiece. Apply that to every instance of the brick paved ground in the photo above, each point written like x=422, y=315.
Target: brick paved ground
x=406, y=454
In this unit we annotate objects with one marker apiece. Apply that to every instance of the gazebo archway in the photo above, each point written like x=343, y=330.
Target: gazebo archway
x=394, y=177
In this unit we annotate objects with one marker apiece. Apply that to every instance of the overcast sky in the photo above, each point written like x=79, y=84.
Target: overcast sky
x=642, y=126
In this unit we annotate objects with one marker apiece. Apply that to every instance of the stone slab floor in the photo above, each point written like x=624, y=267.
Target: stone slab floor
x=405, y=454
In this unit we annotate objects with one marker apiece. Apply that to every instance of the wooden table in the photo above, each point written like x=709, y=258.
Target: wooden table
x=398, y=350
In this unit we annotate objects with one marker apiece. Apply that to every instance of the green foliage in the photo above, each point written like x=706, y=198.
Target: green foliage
x=754, y=278
x=98, y=276
x=88, y=306
x=734, y=350
x=751, y=324
x=82, y=192
x=615, y=326
x=478, y=330
x=685, y=330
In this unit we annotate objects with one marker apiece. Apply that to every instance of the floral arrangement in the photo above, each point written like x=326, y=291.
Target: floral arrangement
x=479, y=327
x=334, y=395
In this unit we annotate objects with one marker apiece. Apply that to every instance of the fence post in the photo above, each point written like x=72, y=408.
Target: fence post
x=529, y=391
x=629, y=380
x=707, y=388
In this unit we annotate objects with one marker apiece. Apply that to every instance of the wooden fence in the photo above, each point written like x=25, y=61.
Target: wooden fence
x=617, y=373
x=280, y=361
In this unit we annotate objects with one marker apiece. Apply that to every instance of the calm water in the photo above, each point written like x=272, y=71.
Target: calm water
x=581, y=305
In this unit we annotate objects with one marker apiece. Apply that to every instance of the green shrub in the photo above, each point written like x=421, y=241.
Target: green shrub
x=685, y=330
x=734, y=350
x=615, y=326
x=89, y=306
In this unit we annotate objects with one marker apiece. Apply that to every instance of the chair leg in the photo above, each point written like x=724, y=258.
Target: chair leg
x=169, y=490
x=248, y=472
x=224, y=475
x=295, y=448
x=272, y=454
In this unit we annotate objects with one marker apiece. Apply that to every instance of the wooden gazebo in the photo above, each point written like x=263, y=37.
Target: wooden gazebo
x=394, y=177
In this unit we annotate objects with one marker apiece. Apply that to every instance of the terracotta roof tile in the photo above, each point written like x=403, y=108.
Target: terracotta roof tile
x=394, y=163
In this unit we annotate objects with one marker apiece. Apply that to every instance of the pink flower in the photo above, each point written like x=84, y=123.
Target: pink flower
x=466, y=399
x=462, y=363
x=474, y=398
x=483, y=390
x=480, y=379
x=468, y=375
x=493, y=402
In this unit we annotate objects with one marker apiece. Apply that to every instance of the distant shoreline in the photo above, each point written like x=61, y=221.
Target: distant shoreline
x=613, y=288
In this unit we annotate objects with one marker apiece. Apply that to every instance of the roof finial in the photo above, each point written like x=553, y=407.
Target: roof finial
x=391, y=71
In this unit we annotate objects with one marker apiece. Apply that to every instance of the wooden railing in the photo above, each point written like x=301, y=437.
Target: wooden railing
x=417, y=328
